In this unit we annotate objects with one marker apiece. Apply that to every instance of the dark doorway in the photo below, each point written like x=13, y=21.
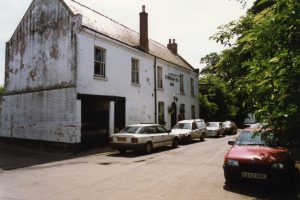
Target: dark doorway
x=173, y=114
x=120, y=110
x=95, y=119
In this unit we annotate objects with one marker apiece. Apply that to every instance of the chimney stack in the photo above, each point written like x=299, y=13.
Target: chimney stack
x=144, y=41
x=172, y=46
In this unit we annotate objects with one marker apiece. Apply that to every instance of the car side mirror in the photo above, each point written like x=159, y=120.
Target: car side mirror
x=231, y=142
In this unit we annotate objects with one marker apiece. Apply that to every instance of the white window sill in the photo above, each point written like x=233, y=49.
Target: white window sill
x=98, y=77
x=136, y=84
x=160, y=89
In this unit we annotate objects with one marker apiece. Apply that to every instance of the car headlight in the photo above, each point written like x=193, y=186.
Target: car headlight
x=232, y=162
x=278, y=166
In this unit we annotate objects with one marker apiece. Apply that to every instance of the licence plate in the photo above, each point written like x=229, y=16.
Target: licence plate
x=121, y=139
x=254, y=176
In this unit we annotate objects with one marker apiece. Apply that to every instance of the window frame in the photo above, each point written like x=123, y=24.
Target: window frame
x=160, y=84
x=102, y=63
x=192, y=87
x=181, y=83
x=135, y=71
x=161, y=113
x=193, y=111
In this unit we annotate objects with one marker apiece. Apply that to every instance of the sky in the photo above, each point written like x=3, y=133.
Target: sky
x=190, y=22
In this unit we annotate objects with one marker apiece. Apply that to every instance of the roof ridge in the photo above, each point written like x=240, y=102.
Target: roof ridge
x=85, y=6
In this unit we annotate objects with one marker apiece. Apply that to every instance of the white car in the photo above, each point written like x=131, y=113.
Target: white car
x=187, y=130
x=143, y=137
x=215, y=129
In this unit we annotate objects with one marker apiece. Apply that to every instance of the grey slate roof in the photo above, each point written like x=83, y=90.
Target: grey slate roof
x=106, y=26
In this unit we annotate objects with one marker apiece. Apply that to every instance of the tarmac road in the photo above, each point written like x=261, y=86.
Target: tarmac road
x=189, y=172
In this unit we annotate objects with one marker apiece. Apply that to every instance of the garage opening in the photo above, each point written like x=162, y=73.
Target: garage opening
x=95, y=119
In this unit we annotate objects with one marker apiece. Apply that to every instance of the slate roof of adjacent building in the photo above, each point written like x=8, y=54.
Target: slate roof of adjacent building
x=108, y=27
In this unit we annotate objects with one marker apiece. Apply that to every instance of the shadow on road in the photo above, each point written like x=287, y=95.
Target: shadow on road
x=133, y=154
x=263, y=191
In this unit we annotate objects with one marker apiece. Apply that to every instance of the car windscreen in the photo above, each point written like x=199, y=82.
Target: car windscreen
x=227, y=123
x=257, y=138
x=183, y=126
x=213, y=124
x=130, y=129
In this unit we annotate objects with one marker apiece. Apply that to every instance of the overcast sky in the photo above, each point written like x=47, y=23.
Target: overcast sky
x=190, y=22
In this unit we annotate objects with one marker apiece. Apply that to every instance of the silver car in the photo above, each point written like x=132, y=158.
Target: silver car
x=215, y=129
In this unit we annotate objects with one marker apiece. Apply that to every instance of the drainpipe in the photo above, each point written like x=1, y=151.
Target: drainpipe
x=155, y=92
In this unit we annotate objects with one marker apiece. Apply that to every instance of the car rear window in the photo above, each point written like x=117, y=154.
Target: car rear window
x=213, y=124
x=130, y=129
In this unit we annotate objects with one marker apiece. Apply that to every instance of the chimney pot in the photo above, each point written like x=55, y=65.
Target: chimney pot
x=144, y=8
x=172, y=46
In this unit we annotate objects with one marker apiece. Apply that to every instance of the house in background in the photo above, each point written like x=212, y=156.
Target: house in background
x=73, y=75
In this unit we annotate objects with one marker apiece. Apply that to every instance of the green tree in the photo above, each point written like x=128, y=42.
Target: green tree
x=262, y=64
x=215, y=101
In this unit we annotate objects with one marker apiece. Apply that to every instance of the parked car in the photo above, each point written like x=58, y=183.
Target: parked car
x=215, y=129
x=187, y=130
x=230, y=127
x=257, y=156
x=143, y=137
x=256, y=125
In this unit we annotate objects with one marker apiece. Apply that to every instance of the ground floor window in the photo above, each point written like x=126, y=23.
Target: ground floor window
x=193, y=112
x=161, y=113
x=181, y=115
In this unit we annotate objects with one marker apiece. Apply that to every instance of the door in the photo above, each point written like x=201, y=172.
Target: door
x=173, y=114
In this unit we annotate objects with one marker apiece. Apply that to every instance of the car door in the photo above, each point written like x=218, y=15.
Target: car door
x=201, y=128
x=166, y=137
x=195, y=131
x=155, y=137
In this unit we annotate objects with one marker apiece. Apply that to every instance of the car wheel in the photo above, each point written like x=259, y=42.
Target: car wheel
x=148, y=147
x=188, y=139
x=122, y=150
x=202, y=136
x=175, y=143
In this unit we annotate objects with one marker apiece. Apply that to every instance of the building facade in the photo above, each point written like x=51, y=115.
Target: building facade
x=72, y=73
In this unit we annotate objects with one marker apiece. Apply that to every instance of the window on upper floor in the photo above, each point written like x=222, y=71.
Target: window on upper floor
x=99, y=62
x=181, y=84
x=161, y=113
x=135, y=71
x=159, y=78
x=192, y=87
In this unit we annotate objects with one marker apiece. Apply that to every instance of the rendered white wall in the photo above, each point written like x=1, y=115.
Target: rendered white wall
x=46, y=115
x=139, y=99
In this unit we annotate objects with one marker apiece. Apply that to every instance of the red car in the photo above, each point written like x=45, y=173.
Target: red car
x=255, y=156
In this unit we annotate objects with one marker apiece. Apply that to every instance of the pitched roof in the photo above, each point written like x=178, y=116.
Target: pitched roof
x=106, y=26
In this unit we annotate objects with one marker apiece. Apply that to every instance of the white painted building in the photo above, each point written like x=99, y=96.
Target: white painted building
x=72, y=73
